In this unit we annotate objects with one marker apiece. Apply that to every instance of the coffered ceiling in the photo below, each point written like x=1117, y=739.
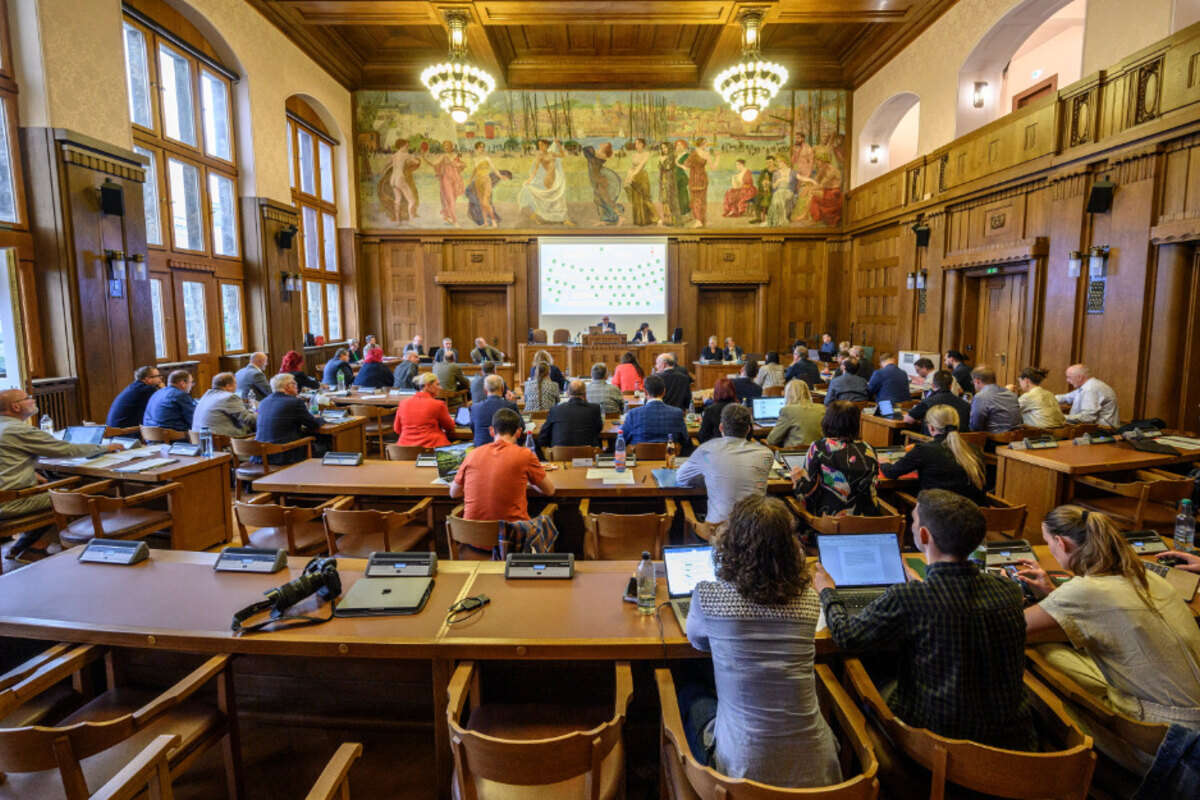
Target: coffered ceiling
x=533, y=44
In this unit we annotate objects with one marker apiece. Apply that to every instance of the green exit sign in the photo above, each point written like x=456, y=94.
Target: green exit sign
x=992, y=270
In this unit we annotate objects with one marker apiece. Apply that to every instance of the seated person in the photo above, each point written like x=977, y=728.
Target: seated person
x=355, y=351
x=947, y=462
x=940, y=395
x=369, y=341
x=889, y=382
x=729, y=467
x=129, y=407
x=628, y=375
x=654, y=421
x=174, y=406
x=993, y=408
x=293, y=364
x=483, y=411
x=603, y=393
x=485, y=352
x=423, y=420
x=575, y=422
x=677, y=381
x=865, y=368
x=338, y=365
x=771, y=373
x=923, y=367
x=710, y=421
x=607, y=325
x=848, y=385
x=802, y=367
x=555, y=373
x=417, y=345
x=493, y=479
x=1127, y=637
x=758, y=619
x=959, y=634
x=450, y=374
x=732, y=352
x=956, y=363
x=1091, y=399
x=644, y=335
x=373, y=374
x=404, y=377
x=283, y=417
x=222, y=411
x=447, y=348
x=1039, y=407
x=828, y=349
x=745, y=384
x=840, y=471
x=478, y=390
x=251, y=380
x=541, y=392
x=799, y=423
x=712, y=351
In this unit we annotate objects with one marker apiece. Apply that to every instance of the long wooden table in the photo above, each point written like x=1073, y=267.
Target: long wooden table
x=577, y=359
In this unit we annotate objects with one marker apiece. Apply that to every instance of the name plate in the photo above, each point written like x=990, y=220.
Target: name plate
x=341, y=459
x=184, y=449
x=1094, y=438
x=122, y=552
x=250, y=559
x=402, y=565
x=520, y=566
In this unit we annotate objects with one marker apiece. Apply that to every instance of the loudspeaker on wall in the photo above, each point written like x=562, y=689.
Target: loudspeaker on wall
x=1100, y=197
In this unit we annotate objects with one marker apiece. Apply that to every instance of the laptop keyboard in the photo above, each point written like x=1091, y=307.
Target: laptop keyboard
x=856, y=600
x=684, y=604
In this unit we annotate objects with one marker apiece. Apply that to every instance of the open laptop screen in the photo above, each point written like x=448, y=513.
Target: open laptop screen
x=449, y=458
x=687, y=566
x=767, y=407
x=862, y=559
x=885, y=408
x=84, y=434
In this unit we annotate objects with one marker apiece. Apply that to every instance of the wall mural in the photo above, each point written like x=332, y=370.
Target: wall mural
x=534, y=159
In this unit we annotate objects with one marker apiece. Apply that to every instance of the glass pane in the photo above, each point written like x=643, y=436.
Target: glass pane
x=214, y=101
x=194, y=317
x=326, y=172
x=330, y=231
x=231, y=317
x=291, y=158
x=333, y=300
x=137, y=77
x=160, y=326
x=307, y=184
x=8, y=187
x=224, y=214
x=184, y=182
x=150, y=197
x=316, y=324
x=312, y=241
x=175, y=81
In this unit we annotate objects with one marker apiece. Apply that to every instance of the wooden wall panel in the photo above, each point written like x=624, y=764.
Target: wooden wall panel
x=401, y=285
x=875, y=286
x=801, y=301
x=274, y=322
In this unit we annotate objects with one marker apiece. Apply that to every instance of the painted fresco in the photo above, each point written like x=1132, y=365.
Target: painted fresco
x=561, y=160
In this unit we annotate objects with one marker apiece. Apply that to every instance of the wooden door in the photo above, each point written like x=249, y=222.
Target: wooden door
x=1001, y=324
x=471, y=313
x=726, y=312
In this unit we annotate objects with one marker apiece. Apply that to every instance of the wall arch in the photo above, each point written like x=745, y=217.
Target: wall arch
x=896, y=116
x=343, y=155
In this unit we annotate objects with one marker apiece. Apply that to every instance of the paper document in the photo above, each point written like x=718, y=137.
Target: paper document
x=614, y=478
x=140, y=466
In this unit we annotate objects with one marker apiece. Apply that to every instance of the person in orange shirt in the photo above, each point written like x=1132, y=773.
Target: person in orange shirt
x=423, y=420
x=629, y=374
x=494, y=478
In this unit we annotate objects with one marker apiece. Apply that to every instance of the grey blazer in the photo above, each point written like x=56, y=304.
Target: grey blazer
x=250, y=378
x=223, y=413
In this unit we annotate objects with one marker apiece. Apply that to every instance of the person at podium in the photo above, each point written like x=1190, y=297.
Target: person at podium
x=713, y=352
x=644, y=335
x=607, y=325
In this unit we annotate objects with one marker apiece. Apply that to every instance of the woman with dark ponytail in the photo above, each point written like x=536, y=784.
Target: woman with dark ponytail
x=1132, y=641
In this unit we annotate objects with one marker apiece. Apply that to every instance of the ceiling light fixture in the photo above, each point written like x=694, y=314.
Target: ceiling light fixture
x=749, y=85
x=458, y=85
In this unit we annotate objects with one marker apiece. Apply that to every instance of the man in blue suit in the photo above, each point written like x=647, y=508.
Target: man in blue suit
x=889, y=382
x=174, y=406
x=656, y=420
x=339, y=363
x=129, y=407
x=482, y=412
x=283, y=418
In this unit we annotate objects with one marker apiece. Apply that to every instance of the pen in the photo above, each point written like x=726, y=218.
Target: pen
x=644, y=478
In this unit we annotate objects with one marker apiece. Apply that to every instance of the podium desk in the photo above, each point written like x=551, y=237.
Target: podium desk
x=707, y=373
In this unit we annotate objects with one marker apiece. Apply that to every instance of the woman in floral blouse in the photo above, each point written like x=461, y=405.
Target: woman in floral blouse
x=841, y=471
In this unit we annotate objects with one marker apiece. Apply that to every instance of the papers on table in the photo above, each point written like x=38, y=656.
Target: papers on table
x=611, y=477
x=145, y=464
x=1183, y=442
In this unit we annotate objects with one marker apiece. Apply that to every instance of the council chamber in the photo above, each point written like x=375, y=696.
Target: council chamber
x=677, y=399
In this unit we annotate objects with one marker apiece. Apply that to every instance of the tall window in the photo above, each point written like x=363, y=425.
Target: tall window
x=181, y=111
x=310, y=150
x=12, y=195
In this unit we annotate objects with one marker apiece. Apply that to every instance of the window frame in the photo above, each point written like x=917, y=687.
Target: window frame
x=8, y=95
x=322, y=272
x=241, y=290
x=232, y=160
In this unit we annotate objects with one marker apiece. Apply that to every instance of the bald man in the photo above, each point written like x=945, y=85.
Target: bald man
x=251, y=378
x=21, y=445
x=1091, y=399
x=573, y=423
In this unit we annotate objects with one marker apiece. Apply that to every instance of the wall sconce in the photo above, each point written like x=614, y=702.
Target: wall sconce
x=288, y=283
x=921, y=276
x=910, y=281
x=874, y=154
x=1074, y=264
x=115, y=272
x=979, y=94
x=139, y=266
x=1098, y=262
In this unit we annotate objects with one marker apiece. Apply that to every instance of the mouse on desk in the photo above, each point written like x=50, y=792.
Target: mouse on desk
x=1170, y=561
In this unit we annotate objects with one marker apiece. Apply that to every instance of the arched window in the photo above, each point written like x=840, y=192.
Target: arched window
x=181, y=111
x=889, y=137
x=14, y=224
x=310, y=154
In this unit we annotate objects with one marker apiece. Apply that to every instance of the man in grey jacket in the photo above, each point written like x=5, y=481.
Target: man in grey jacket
x=222, y=411
x=251, y=378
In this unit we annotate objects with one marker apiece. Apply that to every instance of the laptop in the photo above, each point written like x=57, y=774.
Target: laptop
x=888, y=410
x=83, y=434
x=863, y=565
x=377, y=597
x=449, y=458
x=335, y=414
x=686, y=566
x=463, y=417
x=792, y=459
x=765, y=410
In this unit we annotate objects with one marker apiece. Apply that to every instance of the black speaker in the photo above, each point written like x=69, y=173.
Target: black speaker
x=922, y=232
x=677, y=335
x=285, y=236
x=1101, y=197
x=112, y=198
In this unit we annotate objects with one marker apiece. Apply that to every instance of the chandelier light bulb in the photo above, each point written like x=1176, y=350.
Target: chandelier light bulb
x=749, y=85
x=749, y=113
x=459, y=115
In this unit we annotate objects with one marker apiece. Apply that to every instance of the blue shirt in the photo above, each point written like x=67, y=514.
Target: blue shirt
x=129, y=407
x=375, y=375
x=481, y=417
x=889, y=383
x=170, y=408
x=332, y=367
x=653, y=422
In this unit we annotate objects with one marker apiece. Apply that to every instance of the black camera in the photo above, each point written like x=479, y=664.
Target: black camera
x=320, y=576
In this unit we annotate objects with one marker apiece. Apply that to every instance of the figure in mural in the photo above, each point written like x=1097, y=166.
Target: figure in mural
x=740, y=193
x=637, y=185
x=449, y=170
x=782, y=194
x=544, y=193
x=825, y=206
x=698, y=162
x=672, y=200
x=606, y=185
x=802, y=157
x=484, y=177
x=404, y=188
x=762, y=201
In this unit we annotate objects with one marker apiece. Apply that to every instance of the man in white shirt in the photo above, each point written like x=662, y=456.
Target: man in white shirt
x=729, y=467
x=1091, y=399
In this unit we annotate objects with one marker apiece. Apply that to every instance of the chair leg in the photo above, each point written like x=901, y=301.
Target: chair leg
x=231, y=746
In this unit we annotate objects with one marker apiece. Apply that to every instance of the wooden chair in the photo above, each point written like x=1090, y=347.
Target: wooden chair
x=473, y=539
x=683, y=778
x=567, y=452
x=15, y=526
x=220, y=441
x=1062, y=773
x=155, y=435
x=297, y=529
x=378, y=425
x=561, y=336
x=650, y=451
x=773, y=391
x=132, y=430
x=333, y=780
x=706, y=531
x=539, y=335
x=359, y=533
x=85, y=512
x=623, y=537
x=521, y=746
x=541, y=413
x=246, y=449
x=1148, y=501
x=404, y=452
x=1001, y=518
x=123, y=739
x=454, y=398
x=892, y=521
x=976, y=439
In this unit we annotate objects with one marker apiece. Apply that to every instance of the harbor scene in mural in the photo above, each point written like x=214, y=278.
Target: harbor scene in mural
x=602, y=159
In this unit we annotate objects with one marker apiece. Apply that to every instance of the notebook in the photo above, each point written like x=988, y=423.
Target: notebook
x=766, y=410
x=686, y=566
x=863, y=565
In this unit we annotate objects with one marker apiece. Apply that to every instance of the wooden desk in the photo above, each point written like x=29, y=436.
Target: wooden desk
x=347, y=436
x=506, y=370
x=203, y=511
x=577, y=359
x=881, y=431
x=382, y=400
x=707, y=374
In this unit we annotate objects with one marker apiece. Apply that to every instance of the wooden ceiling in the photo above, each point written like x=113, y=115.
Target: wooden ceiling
x=537, y=44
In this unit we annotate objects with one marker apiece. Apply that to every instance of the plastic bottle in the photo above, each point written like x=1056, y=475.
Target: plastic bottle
x=314, y=405
x=619, y=453
x=46, y=423
x=531, y=444
x=670, y=451
x=1185, y=527
x=341, y=381
x=206, y=442
x=647, y=585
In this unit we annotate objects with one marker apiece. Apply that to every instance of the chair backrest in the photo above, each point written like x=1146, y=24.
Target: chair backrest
x=453, y=399
x=856, y=524
x=152, y=434
x=244, y=448
x=132, y=430
x=624, y=537
x=565, y=452
x=561, y=336
x=976, y=439
x=1170, y=491
x=33, y=749
x=72, y=503
x=651, y=451
x=539, y=414
x=1007, y=522
x=368, y=411
x=340, y=522
x=220, y=440
x=539, y=336
x=404, y=452
x=480, y=536
x=773, y=391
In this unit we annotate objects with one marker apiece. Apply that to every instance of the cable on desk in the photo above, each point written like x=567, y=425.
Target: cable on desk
x=470, y=606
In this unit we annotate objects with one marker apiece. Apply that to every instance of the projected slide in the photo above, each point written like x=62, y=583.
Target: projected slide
x=603, y=276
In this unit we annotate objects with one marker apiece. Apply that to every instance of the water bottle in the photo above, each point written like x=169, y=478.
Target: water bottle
x=647, y=586
x=619, y=453
x=531, y=444
x=670, y=451
x=341, y=381
x=314, y=405
x=46, y=423
x=206, y=442
x=1185, y=527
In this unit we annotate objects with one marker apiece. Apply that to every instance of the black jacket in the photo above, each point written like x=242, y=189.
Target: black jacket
x=402, y=377
x=283, y=418
x=374, y=375
x=804, y=370
x=130, y=406
x=305, y=381
x=575, y=422
x=746, y=387
x=679, y=389
x=919, y=411
x=962, y=374
x=708, y=354
x=936, y=469
x=710, y=420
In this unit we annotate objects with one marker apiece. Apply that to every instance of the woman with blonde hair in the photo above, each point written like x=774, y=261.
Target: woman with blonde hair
x=799, y=422
x=1133, y=642
x=945, y=462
